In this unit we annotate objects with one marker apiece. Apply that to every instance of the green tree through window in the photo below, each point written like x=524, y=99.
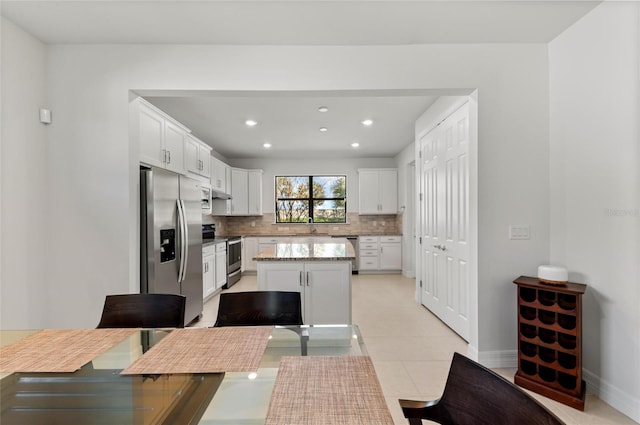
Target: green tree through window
x=326, y=202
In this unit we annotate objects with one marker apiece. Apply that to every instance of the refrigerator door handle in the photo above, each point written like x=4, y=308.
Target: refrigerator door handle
x=181, y=229
x=186, y=239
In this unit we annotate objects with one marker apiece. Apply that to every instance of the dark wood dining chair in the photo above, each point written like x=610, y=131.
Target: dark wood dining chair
x=475, y=395
x=143, y=311
x=263, y=308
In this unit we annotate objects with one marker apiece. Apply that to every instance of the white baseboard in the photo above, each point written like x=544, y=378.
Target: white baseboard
x=612, y=395
x=409, y=273
x=497, y=359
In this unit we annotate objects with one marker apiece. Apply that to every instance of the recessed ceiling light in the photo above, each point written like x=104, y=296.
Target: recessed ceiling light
x=367, y=122
x=323, y=129
x=251, y=123
x=323, y=109
x=266, y=145
x=355, y=144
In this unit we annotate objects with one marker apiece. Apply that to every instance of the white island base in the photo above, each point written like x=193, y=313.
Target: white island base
x=321, y=273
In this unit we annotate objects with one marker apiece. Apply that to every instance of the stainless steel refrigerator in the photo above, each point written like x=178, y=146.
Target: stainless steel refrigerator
x=171, y=237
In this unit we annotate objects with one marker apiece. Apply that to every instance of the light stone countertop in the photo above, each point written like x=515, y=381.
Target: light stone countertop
x=336, y=249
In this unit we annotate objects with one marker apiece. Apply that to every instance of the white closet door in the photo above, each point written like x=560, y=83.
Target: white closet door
x=445, y=221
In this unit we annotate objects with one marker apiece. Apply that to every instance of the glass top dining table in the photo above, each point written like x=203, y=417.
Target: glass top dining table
x=98, y=394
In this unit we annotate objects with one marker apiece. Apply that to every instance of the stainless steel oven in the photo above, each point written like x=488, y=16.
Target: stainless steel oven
x=234, y=260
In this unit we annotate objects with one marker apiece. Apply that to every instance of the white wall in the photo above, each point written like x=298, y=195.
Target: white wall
x=308, y=166
x=23, y=301
x=90, y=175
x=405, y=162
x=595, y=190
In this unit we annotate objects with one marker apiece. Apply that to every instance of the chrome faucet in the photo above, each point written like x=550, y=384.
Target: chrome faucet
x=312, y=228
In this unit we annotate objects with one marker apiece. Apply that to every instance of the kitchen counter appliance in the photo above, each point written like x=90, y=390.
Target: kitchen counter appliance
x=171, y=237
x=234, y=260
x=208, y=232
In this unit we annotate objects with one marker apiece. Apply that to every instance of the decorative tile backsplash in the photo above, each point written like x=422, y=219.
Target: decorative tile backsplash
x=265, y=225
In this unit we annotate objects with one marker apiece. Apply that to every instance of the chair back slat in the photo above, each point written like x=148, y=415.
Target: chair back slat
x=475, y=395
x=143, y=311
x=259, y=308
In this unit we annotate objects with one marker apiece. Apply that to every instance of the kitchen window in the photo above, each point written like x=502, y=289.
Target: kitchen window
x=326, y=202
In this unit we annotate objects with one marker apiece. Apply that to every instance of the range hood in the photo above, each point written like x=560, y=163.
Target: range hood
x=219, y=195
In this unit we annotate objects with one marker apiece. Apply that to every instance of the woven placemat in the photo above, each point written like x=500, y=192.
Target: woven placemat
x=205, y=350
x=59, y=350
x=327, y=391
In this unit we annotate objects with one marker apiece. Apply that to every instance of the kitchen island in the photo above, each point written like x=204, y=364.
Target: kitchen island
x=319, y=269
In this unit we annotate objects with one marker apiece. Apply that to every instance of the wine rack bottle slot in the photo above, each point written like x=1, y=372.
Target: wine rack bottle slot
x=547, y=317
x=567, y=301
x=567, y=341
x=527, y=367
x=547, y=298
x=528, y=294
x=528, y=331
x=566, y=321
x=547, y=374
x=546, y=354
x=528, y=349
x=549, y=340
x=528, y=313
x=567, y=361
x=547, y=336
x=567, y=381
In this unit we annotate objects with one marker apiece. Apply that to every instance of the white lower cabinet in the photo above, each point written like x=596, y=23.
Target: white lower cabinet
x=208, y=270
x=221, y=265
x=380, y=253
x=390, y=253
x=325, y=287
x=249, y=250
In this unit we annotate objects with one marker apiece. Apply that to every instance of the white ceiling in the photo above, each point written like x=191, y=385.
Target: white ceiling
x=298, y=22
x=291, y=122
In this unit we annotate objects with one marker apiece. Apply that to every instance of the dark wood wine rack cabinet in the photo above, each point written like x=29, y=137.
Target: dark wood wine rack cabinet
x=550, y=340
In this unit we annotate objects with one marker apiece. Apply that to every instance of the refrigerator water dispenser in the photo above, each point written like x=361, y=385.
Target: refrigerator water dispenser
x=167, y=245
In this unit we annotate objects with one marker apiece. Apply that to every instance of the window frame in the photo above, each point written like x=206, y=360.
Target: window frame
x=310, y=199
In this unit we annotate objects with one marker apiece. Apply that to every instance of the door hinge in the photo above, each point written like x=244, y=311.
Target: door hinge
x=421, y=283
x=420, y=154
x=420, y=239
x=421, y=197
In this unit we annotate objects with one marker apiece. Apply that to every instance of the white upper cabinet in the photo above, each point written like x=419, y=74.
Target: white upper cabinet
x=246, y=194
x=255, y=192
x=161, y=139
x=219, y=181
x=378, y=191
x=197, y=157
x=239, y=192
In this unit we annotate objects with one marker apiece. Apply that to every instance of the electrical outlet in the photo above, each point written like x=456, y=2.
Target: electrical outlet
x=519, y=232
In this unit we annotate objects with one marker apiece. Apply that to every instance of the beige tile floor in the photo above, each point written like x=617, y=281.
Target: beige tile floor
x=411, y=348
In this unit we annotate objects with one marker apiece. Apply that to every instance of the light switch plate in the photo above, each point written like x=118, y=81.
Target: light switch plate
x=519, y=231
